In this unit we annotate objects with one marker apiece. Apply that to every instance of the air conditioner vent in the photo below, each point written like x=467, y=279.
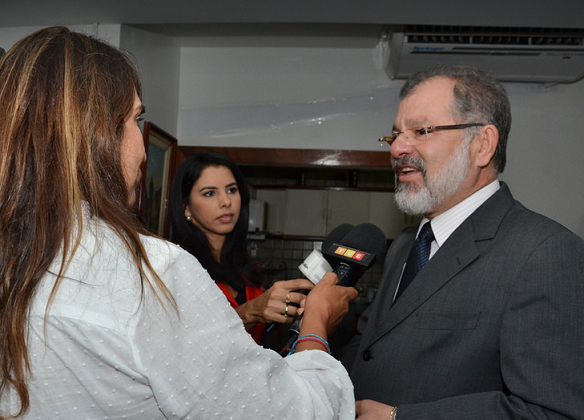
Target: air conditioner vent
x=510, y=54
x=490, y=36
x=533, y=31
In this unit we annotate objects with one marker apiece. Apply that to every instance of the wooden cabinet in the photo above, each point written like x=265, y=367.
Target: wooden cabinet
x=305, y=212
x=276, y=209
x=301, y=212
x=384, y=213
x=346, y=207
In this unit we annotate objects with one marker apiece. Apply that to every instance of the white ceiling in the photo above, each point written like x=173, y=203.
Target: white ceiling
x=302, y=18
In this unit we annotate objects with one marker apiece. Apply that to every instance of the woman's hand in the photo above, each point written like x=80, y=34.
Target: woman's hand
x=280, y=303
x=325, y=307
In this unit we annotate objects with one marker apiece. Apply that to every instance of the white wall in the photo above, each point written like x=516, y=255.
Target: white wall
x=288, y=97
x=158, y=60
x=545, y=166
x=337, y=98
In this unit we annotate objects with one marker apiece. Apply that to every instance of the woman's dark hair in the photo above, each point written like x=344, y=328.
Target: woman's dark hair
x=236, y=268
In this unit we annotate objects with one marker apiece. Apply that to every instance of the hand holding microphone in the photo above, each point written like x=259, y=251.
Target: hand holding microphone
x=348, y=258
x=326, y=305
x=314, y=268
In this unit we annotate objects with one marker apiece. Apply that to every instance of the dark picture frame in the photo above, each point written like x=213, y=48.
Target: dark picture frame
x=157, y=173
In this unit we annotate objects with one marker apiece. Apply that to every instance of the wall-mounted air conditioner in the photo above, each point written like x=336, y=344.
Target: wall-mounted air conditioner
x=509, y=54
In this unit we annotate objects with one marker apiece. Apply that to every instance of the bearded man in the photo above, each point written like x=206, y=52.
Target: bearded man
x=480, y=308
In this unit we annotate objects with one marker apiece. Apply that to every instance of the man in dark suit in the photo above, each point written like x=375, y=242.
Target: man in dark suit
x=492, y=327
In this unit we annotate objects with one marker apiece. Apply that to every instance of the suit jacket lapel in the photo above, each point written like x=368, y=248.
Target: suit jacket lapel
x=397, y=257
x=455, y=254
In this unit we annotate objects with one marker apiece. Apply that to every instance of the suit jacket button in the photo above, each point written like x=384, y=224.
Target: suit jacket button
x=367, y=355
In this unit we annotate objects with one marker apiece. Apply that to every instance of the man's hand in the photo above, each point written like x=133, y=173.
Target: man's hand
x=373, y=410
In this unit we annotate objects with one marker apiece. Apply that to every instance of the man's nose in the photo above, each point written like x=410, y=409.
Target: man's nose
x=400, y=146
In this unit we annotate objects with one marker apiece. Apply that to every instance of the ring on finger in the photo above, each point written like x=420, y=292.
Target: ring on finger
x=288, y=299
x=286, y=312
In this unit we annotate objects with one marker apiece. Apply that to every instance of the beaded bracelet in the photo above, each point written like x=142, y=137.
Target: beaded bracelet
x=311, y=337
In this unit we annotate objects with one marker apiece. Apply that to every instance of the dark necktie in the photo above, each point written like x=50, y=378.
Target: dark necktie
x=418, y=257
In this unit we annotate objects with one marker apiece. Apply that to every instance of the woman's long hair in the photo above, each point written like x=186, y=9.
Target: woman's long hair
x=236, y=268
x=64, y=99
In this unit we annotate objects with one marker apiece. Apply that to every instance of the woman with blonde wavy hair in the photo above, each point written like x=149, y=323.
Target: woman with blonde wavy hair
x=98, y=318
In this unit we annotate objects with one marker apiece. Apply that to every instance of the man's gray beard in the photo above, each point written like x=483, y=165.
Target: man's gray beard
x=419, y=201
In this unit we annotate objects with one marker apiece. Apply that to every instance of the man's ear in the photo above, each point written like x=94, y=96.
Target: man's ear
x=485, y=145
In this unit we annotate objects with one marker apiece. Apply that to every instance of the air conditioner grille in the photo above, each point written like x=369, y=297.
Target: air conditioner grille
x=470, y=35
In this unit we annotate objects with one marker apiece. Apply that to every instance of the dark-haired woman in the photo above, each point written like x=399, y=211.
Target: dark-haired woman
x=209, y=211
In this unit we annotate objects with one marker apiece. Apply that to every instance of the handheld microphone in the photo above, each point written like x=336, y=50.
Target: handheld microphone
x=355, y=253
x=315, y=266
x=350, y=258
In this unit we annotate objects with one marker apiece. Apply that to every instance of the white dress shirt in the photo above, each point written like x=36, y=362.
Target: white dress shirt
x=109, y=349
x=444, y=224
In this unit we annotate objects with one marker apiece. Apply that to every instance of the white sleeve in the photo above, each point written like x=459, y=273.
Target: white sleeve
x=202, y=364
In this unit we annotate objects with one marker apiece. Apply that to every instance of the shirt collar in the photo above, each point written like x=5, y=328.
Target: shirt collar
x=444, y=224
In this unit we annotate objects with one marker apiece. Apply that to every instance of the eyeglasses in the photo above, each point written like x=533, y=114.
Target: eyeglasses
x=420, y=135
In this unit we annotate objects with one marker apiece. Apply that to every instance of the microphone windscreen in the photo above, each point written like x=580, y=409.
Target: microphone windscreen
x=366, y=237
x=337, y=235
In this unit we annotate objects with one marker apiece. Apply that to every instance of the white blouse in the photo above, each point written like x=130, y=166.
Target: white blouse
x=111, y=350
